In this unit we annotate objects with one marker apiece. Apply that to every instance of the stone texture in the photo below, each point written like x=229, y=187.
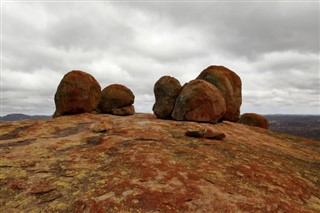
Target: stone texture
x=115, y=96
x=253, y=119
x=145, y=164
x=166, y=90
x=77, y=92
x=199, y=101
x=229, y=83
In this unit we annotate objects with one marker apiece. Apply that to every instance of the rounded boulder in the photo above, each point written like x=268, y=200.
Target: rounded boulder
x=115, y=96
x=199, y=101
x=229, y=83
x=253, y=119
x=78, y=92
x=166, y=90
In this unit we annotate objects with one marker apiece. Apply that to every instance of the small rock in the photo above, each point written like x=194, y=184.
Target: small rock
x=195, y=133
x=205, y=133
x=214, y=135
x=101, y=126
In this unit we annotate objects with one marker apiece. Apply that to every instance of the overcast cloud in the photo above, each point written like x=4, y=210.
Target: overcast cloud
x=272, y=46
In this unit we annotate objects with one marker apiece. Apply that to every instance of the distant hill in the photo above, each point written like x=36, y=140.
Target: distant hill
x=307, y=126
x=21, y=117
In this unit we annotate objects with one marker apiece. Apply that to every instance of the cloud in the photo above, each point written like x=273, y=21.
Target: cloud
x=272, y=46
x=247, y=29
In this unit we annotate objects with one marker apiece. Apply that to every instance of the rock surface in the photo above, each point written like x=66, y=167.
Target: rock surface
x=145, y=164
x=166, y=90
x=229, y=83
x=115, y=96
x=199, y=101
x=77, y=92
x=253, y=119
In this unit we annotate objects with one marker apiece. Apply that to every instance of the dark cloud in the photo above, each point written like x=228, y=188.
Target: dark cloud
x=247, y=29
x=273, y=46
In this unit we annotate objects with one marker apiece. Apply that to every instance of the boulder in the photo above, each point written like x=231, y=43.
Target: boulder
x=229, y=83
x=113, y=97
x=199, y=101
x=78, y=92
x=253, y=119
x=166, y=90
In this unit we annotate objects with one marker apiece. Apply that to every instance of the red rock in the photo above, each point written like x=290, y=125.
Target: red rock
x=78, y=92
x=146, y=164
x=195, y=133
x=253, y=119
x=166, y=90
x=115, y=96
x=229, y=83
x=199, y=101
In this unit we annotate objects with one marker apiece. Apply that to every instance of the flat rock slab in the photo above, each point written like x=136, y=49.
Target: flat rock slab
x=144, y=164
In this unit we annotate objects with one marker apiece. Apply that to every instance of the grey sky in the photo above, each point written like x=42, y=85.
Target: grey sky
x=272, y=45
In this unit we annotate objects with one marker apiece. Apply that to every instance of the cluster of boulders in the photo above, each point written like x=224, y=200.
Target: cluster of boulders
x=214, y=96
x=79, y=92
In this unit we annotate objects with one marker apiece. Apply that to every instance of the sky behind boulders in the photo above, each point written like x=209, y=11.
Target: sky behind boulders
x=272, y=45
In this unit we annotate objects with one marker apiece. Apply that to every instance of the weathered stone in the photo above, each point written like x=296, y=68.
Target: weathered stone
x=253, y=119
x=78, y=92
x=229, y=83
x=195, y=133
x=166, y=90
x=123, y=111
x=115, y=96
x=199, y=101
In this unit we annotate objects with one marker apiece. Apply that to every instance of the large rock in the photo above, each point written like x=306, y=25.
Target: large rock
x=145, y=164
x=253, y=119
x=77, y=92
x=199, y=101
x=166, y=90
x=229, y=83
x=115, y=96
